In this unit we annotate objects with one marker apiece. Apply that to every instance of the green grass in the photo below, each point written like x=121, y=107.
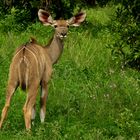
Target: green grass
x=91, y=97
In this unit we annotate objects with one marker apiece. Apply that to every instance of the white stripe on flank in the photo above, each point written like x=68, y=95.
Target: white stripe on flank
x=27, y=70
x=18, y=52
x=35, y=59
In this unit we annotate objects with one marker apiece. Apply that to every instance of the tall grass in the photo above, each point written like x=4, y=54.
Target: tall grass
x=91, y=96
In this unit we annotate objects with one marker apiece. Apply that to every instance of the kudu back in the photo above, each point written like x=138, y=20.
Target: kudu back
x=32, y=63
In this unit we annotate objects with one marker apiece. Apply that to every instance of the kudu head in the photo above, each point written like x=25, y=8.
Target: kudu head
x=61, y=26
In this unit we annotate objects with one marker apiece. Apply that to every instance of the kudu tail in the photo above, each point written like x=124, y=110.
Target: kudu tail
x=23, y=73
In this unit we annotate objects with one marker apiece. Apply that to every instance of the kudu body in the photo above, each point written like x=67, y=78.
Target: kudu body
x=31, y=66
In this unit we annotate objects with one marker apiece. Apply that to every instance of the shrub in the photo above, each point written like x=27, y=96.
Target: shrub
x=128, y=25
x=17, y=20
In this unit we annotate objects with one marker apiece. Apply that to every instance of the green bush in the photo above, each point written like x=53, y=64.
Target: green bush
x=103, y=2
x=127, y=46
x=17, y=20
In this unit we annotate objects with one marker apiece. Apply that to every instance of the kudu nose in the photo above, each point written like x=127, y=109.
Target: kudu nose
x=64, y=34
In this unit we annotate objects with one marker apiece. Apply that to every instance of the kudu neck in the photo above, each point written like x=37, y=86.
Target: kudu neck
x=55, y=48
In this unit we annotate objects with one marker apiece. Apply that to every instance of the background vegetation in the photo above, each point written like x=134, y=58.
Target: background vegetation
x=127, y=45
x=93, y=94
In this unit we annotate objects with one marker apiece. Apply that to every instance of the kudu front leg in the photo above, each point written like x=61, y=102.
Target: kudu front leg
x=43, y=99
x=10, y=90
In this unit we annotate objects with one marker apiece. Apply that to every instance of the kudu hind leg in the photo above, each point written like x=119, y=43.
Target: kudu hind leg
x=30, y=106
x=43, y=98
x=10, y=91
x=33, y=114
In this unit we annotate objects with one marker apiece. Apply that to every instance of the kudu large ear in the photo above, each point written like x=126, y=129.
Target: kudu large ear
x=45, y=17
x=77, y=19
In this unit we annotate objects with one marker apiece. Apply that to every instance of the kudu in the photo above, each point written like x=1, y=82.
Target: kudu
x=31, y=66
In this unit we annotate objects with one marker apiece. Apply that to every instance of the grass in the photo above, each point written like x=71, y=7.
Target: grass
x=91, y=97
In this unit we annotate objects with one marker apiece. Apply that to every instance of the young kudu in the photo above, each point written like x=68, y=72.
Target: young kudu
x=31, y=66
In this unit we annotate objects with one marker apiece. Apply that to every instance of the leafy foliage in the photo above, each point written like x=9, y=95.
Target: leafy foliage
x=128, y=44
x=10, y=22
